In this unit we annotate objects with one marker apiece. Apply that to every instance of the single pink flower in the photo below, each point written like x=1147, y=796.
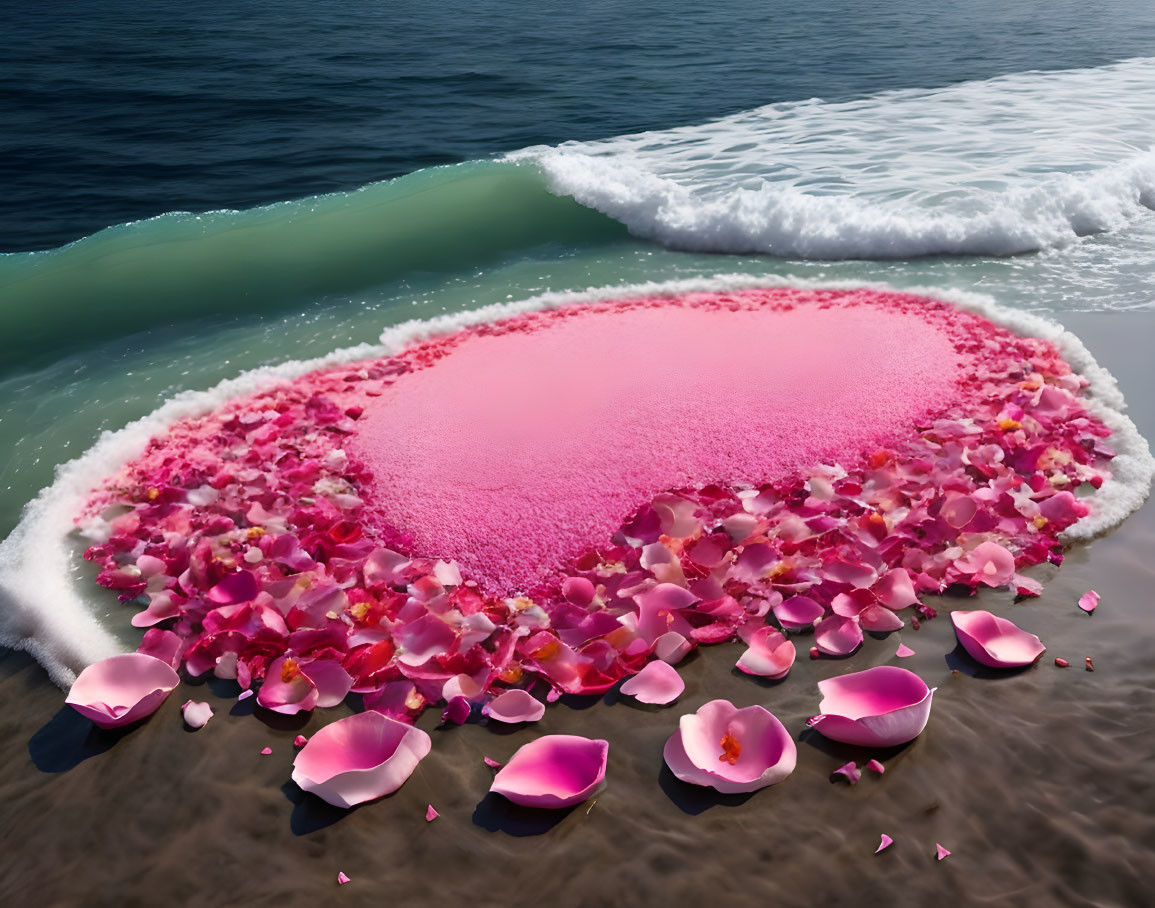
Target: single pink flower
x=658, y=683
x=730, y=749
x=880, y=707
x=994, y=641
x=359, y=758
x=553, y=771
x=122, y=689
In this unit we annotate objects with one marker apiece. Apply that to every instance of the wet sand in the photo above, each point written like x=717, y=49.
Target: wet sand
x=1039, y=782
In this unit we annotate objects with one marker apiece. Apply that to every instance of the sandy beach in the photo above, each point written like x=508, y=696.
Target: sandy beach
x=1038, y=782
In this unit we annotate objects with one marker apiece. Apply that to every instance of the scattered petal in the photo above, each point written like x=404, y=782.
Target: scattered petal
x=836, y=635
x=770, y=654
x=1090, y=664
x=122, y=689
x=658, y=683
x=553, y=771
x=940, y=851
x=732, y=750
x=904, y=651
x=1061, y=662
x=849, y=771
x=875, y=766
x=886, y=842
x=341, y=878
x=244, y=695
x=431, y=814
x=1088, y=601
x=196, y=714
x=265, y=751
x=359, y=758
x=300, y=741
x=514, y=706
x=491, y=763
x=880, y=707
x=995, y=642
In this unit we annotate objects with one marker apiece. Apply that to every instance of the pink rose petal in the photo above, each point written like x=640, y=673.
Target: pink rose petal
x=553, y=771
x=886, y=842
x=359, y=758
x=265, y=751
x=940, y=852
x=196, y=714
x=732, y=750
x=994, y=641
x=798, y=612
x=244, y=695
x=239, y=587
x=341, y=878
x=770, y=654
x=850, y=771
x=875, y=766
x=122, y=689
x=514, y=706
x=903, y=651
x=491, y=763
x=431, y=814
x=300, y=741
x=658, y=683
x=1088, y=601
x=836, y=635
x=880, y=707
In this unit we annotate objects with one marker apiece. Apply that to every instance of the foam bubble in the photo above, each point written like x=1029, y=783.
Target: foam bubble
x=46, y=613
x=1018, y=163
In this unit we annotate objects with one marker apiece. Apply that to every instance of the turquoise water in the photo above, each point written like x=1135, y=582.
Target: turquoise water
x=992, y=147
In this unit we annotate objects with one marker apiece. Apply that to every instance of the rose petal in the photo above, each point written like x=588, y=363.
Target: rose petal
x=850, y=771
x=122, y=689
x=770, y=654
x=196, y=713
x=875, y=766
x=514, y=706
x=553, y=771
x=940, y=852
x=341, y=878
x=835, y=635
x=903, y=651
x=994, y=641
x=431, y=814
x=657, y=683
x=1089, y=601
x=300, y=741
x=886, y=842
x=265, y=751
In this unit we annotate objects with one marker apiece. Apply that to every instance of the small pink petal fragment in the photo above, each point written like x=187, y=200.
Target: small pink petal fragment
x=244, y=695
x=851, y=772
x=1090, y=664
x=196, y=714
x=886, y=842
x=875, y=766
x=341, y=878
x=431, y=814
x=940, y=851
x=1088, y=601
x=300, y=741
x=1061, y=662
x=904, y=651
x=265, y=751
x=491, y=763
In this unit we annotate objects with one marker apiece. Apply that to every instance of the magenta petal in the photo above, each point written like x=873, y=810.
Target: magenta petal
x=239, y=587
x=286, y=688
x=196, y=714
x=886, y=842
x=879, y=620
x=1088, y=601
x=903, y=651
x=940, y=852
x=658, y=683
x=431, y=814
x=732, y=750
x=553, y=771
x=875, y=766
x=798, y=612
x=359, y=758
x=341, y=878
x=491, y=763
x=266, y=751
x=244, y=695
x=300, y=741
x=163, y=645
x=331, y=680
x=994, y=641
x=514, y=706
x=895, y=590
x=850, y=771
x=457, y=711
x=122, y=689
x=879, y=707
x=837, y=636
x=770, y=654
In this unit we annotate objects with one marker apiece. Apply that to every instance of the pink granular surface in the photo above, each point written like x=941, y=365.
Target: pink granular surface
x=516, y=451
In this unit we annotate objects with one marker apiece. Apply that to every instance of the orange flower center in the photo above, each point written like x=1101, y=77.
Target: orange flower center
x=289, y=670
x=731, y=749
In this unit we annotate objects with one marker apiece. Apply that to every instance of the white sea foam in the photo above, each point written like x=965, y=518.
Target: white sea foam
x=1017, y=163
x=47, y=609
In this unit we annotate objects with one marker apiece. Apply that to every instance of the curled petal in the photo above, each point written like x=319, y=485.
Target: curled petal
x=239, y=587
x=770, y=654
x=657, y=683
x=879, y=707
x=732, y=750
x=553, y=771
x=431, y=814
x=879, y=620
x=886, y=842
x=895, y=590
x=196, y=714
x=341, y=878
x=359, y=758
x=1088, y=601
x=122, y=689
x=994, y=641
x=514, y=706
x=875, y=766
x=849, y=771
